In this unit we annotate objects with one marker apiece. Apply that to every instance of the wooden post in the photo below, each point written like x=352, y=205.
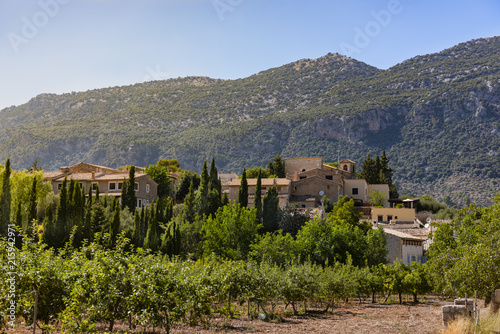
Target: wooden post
x=34, y=313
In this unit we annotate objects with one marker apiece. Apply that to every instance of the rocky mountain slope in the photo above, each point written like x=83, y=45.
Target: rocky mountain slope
x=437, y=116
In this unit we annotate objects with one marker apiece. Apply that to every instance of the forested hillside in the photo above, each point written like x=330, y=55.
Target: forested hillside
x=437, y=116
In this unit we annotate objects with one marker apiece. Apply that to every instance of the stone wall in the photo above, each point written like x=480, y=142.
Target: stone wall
x=461, y=308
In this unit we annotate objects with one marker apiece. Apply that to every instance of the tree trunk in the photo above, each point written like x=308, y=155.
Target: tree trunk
x=400, y=299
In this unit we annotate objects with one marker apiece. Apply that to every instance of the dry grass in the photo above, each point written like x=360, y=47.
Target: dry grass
x=488, y=322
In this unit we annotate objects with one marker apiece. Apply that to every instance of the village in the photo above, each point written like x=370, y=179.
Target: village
x=307, y=183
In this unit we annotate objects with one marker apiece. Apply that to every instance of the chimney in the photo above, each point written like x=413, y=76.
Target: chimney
x=93, y=175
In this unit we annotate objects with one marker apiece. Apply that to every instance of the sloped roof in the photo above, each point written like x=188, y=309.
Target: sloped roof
x=402, y=235
x=264, y=182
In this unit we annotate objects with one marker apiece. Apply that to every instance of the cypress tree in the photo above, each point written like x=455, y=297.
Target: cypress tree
x=136, y=237
x=114, y=227
x=214, y=177
x=243, y=191
x=96, y=192
x=258, y=196
x=88, y=231
x=98, y=219
x=270, y=210
x=151, y=240
x=48, y=235
x=131, y=198
x=124, y=194
x=19, y=224
x=5, y=200
x=32, y=203
x=225, y=200
x=144, y=224
x=61, y=233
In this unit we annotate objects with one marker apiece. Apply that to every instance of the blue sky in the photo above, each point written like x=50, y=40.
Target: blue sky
x=58, y=46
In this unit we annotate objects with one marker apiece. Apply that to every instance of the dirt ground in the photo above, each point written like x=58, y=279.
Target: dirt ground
x=421, y=318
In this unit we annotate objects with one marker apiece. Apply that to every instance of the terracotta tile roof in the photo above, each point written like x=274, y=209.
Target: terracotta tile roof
x=52, y=174
x=264, y=182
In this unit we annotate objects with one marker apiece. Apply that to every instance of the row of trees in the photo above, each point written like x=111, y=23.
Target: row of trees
x=78, y=288
x=465, y=254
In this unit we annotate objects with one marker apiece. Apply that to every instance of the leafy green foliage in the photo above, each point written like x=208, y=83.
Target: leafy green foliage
x=464, y=255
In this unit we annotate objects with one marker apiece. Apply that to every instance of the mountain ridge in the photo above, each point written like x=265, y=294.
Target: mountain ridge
x=308, y=107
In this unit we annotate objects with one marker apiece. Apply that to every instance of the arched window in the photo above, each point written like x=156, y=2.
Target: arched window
x=345, y=167
x=303, y=169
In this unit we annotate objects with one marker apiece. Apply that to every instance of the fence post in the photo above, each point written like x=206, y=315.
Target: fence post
x=34, y=313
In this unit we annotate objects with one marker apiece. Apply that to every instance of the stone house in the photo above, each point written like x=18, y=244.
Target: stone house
x=307, y=180
x=108, y=180
x=403, y=246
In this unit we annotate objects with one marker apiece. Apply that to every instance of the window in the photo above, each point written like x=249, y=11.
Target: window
x=120, y=185
x=147, y=187
x=303, y=169
x=380, y=218
x=329, y=177
x=112, y=186
x=303, y=205
x=59, y=186
x=139, y=203
x=389, y=218
x=413, y=258
x=94, y=186
x=345, y=167
x=302, y=177
x=136, y=186
x=355, y=191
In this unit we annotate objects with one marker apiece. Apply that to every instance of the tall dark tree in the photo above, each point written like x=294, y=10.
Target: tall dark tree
x=152, y=241
x=129, y=199
x=136, y=236
x=181, y=187
x=270, y=211
x=32, y=212
x=114, y=227
x=258, y=196
x=243, y=191
x=49, y=234
x=62, y=222
x=5, y=200
x=277, y=166
x=368, y=171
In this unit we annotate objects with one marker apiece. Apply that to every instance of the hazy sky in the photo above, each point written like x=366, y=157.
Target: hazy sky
x=58, y=46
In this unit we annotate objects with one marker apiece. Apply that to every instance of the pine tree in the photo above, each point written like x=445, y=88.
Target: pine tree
x=243, y=190
x=368, y=171
x=5, y=200
x=277, y=166
x=270, y=210
x=258, y=196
